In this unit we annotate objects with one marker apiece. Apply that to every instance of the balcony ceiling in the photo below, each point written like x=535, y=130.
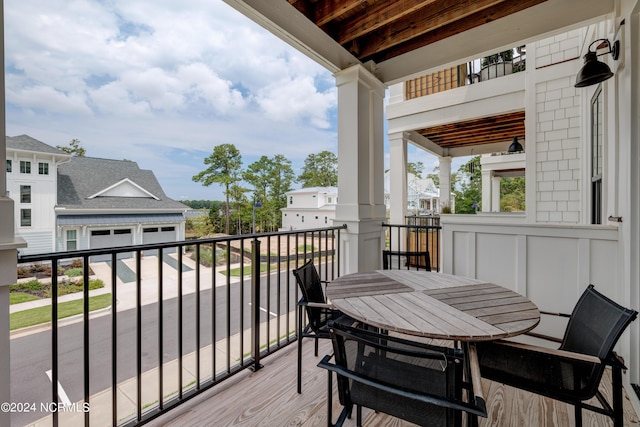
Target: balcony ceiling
x=488, y=131
x=400, y=39
x=378, y=30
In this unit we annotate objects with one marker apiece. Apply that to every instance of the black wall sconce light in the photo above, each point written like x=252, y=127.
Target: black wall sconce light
x=594, y=71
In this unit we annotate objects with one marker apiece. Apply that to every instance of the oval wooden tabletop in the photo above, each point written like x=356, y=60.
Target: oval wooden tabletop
x=433, y=305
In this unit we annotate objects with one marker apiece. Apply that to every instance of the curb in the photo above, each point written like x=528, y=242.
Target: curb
x=28, y=330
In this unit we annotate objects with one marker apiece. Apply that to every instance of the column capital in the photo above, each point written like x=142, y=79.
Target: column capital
x=359, y=73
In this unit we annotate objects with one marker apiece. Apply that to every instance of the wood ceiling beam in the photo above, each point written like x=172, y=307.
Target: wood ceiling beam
x=330, y=10
x=423, y=22
x=376, y=17
x=379, y=50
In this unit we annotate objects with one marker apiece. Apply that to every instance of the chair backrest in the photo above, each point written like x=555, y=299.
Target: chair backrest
x=419, y=260
x=417, y=382
x=596, y=324
x=310, y=286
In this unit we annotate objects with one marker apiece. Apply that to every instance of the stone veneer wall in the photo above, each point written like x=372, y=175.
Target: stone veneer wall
x=558, y=129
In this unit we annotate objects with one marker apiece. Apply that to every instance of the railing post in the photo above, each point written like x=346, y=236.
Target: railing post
x=255, y=303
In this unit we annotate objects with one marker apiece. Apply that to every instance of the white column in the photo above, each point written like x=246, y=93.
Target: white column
x=495, y=193
x=8, y=252
x=360, y=168
x=445, y=182
x=487, y=187
x=398, y=177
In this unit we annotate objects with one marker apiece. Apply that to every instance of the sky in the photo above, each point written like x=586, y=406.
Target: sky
x=162, y=82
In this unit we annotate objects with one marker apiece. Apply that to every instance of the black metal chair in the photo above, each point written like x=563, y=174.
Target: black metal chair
x=314, y=303
x=409, y=259
x=573, y=373
x=417, y=382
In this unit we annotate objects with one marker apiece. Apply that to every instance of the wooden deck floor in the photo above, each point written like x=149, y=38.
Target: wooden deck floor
x=268, y=398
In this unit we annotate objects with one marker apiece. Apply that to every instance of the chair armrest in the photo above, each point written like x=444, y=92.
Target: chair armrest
x=553, y=313
x=548, y=337
x=476, y=378
x=304, y=303
x=553, y=352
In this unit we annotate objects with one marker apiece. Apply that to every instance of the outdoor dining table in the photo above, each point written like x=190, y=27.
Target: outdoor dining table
x=433, y=305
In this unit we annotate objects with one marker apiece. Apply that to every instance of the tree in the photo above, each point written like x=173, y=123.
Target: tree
x=469, y=194
x=225, y=164
x=320, y=170
x=270, y=178
x=415, y=168
x=74, y=148
x=512, y=194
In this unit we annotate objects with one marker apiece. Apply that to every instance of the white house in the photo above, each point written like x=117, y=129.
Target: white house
x=65, y=203
x=32, y=183
x=423, y=196
x=311, y=207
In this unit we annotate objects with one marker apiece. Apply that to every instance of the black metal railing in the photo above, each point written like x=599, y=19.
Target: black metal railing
x=414, y=238
x=188, y=320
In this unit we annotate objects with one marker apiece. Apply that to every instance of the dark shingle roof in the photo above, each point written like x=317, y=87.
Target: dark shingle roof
x=26, y=143
x=83, y=177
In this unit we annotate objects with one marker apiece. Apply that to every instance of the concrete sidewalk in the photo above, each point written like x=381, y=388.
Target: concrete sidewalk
x=126, y=292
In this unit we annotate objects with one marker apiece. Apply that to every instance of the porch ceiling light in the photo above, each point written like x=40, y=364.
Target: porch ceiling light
x=515, y=146
x=594, y=71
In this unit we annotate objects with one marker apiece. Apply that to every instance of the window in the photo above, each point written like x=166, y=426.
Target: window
x=329, y=200
x=596, y=157
x=25, y=217
x=25, y=194
x=9, y=166
x=302, y=218
x=72, y=242
x=43, y=168
x=25, y=167
x=150, y=230
x=122, y=231
x=167, y=229
x=101, y=233
x=290, y=200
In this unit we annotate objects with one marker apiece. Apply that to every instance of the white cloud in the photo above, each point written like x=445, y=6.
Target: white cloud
x=126, y=76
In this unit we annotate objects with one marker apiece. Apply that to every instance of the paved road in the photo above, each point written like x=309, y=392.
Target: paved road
x=31, y=354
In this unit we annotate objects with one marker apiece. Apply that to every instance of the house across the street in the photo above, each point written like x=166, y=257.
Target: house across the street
x=311, y=207
x=65, y=203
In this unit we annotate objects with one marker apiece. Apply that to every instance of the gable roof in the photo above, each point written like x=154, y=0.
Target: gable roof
x=87, y=183
x=27, y=143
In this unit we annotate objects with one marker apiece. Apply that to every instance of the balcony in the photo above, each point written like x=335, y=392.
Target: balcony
x=475, y=71
x=232, y=364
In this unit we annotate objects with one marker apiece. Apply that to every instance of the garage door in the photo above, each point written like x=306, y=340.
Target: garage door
x=110, y=239
x=152, y=235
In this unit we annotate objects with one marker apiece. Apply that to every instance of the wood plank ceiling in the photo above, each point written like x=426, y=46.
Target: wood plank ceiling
x=488, y=130
x=377, y=30
x=381, y=29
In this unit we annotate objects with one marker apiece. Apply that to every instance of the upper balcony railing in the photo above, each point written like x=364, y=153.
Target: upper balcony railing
x=476, y=71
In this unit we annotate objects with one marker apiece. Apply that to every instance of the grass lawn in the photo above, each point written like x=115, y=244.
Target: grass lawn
x=18, y=297
x=235, y=272
x=36, y=316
